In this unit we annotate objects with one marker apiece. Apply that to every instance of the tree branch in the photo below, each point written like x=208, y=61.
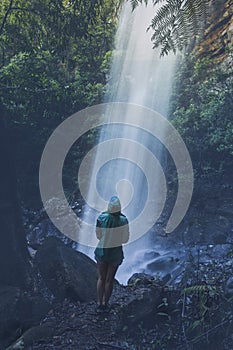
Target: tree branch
x=11, y=8
x=6, y=15
x=24, y=10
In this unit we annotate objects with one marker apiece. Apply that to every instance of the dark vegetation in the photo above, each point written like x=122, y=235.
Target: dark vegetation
x=46, y=77
x=54, y=60
x=201, y=110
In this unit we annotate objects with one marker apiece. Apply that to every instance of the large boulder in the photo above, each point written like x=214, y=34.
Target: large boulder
x=67, y=272
x=137, y=301
x=145, y=300
x=140, y=305
x=18, y=312
x=141, y=279
x=34, y=334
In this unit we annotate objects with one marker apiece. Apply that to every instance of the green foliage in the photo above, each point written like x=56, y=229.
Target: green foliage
x=202, y=110
x=48, y=24
x=206, y=313
x=176, y=22
x=200, y=288
x=54, y=57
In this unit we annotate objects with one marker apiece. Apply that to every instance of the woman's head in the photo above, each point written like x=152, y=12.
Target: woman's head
x=114, y=205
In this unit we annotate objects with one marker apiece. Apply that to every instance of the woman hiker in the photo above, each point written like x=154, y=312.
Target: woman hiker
x=112, y=230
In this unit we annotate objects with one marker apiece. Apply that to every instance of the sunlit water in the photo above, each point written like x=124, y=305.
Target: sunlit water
x=138, y=75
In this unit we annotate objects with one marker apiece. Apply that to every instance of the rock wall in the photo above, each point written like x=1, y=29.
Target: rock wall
x=218, y=36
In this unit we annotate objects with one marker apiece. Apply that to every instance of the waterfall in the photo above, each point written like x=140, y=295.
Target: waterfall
x=138, y=76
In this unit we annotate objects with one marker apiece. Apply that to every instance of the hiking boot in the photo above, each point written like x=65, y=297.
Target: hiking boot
x=100, y=308
x=106, y=308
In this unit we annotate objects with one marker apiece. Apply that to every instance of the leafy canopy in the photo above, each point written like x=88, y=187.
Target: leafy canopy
x=54, y=56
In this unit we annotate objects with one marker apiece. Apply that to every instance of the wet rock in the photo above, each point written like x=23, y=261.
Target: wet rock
x=143, y=279
x=143, y=294
x=140, y=305
x=220, y=238
x=10, y=300
x=34, y=334
x=18, y=312
x=151, y=254
x=36, y=235
x=140, y=279
x=166, y=278
x=37, y=308
x=218, y=35
x=66, y=272
x=164, y=264
x=38, y=226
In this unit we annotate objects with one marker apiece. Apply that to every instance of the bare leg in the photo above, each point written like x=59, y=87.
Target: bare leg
x=102, y=270
x=112, y=269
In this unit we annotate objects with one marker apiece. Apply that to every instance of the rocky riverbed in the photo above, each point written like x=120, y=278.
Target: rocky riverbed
x=176, y=295
x=147, y=313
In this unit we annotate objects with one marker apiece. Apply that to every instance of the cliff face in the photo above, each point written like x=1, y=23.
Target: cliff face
x=217, y=41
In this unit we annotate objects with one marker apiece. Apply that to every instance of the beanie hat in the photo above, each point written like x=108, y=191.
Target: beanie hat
x=114, y=205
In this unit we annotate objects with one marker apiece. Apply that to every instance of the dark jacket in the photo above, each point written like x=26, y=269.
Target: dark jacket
x=112, y=230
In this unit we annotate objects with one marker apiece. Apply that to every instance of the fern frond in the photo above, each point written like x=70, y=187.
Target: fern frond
x=201, y=10
x=135, y=3
x=176, y=22
x=169, y=10
x=155, y=2
x=199, y=289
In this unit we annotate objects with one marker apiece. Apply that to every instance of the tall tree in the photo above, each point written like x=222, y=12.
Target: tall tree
x=53, y=61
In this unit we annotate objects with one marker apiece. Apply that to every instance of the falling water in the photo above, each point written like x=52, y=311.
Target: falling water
x=139, y=76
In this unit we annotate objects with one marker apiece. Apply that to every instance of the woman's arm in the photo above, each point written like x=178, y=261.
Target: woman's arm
x=125, y=233
x=98, y=229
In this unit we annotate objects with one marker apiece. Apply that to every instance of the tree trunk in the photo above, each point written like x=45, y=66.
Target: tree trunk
x=14, y=257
